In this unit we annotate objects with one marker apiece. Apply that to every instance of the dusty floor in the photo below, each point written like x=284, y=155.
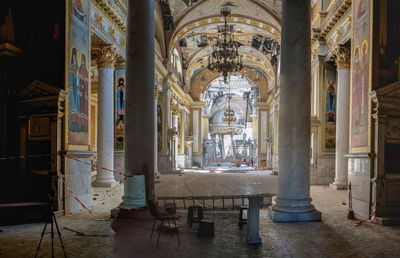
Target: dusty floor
x=335, y=236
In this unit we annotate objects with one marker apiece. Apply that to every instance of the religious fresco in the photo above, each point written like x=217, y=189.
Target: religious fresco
x=361, y=50
x=119, y=109
x=78, y=72
x=159, y=128
x=330, y=117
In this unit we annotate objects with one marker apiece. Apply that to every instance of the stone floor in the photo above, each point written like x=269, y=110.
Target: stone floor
x=335, y=236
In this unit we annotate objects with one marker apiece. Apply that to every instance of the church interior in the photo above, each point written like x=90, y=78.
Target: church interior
x=272, y=126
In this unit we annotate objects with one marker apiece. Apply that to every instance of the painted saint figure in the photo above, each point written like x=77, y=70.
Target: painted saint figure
x=120, y=98
x=84, y=94
x=74, y=92
x=120, y=107
x=159, y=128
x=331, y=102
x=79, y=12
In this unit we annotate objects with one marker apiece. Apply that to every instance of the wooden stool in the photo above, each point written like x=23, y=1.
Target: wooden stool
x=206, y=228
x=190, y=218
x=241, y=219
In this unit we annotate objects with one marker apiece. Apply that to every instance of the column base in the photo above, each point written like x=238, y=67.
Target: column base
x=254, y=241
x=106, y=184
x=279, y=216
x=337, y=186
x=134, y=193
x=274, y=172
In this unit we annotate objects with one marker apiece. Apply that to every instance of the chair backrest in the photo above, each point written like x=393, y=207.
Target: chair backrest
x=153, y=208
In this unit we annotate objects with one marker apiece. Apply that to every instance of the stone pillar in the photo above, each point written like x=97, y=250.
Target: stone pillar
x=254, y=132
x=139, y=106
x=293, y=202
x=196, y=121
x=262, y=123
x=253, y=220
x=156, y=172
x=275, y=148
x=105, y=117
x=206, y=126
x=174, y=140
x=342, y=118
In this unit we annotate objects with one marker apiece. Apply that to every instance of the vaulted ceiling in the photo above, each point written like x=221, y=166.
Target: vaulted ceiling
x=196, y=22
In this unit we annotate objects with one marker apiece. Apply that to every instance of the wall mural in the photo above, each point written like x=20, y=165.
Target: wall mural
x=330, y=118
x=361, y=50
x=78, y=75
x=119, y=109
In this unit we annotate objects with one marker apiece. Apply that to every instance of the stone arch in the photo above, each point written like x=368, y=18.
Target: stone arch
x=203, y=79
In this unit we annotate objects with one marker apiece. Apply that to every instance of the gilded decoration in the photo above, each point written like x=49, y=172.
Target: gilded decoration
x=106, y=57
x=343, y=57
x=174, y=108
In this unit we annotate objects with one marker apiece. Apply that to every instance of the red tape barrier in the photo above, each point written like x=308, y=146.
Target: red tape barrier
x=90, y=164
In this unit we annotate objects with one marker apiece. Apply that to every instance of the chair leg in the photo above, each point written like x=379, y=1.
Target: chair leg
x=177, y=233
x=170, y=229
x=152, y=230
x=159, y=231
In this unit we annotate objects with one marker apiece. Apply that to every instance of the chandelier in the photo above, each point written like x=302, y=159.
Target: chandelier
x=229, y=114
x=225, y=57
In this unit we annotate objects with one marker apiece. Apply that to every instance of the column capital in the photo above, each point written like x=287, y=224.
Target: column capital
x=342, y=57
x=197, y=105
x=106, y=56
x=261, y=105
x=174, y=108
x=157, y=92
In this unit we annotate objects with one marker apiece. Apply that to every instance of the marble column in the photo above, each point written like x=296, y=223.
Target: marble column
x=156, y=172
x=197, y=148
x=174, y=140
x=275, y=148
x=262, y=123
x=293, y=202
x=253, y=220
x=206, y=126
x=105, y=117
x=342, y=117
x=139, y=105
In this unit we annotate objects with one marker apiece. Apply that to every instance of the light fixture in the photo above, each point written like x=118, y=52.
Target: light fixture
x=225, y=56
x=229, y=114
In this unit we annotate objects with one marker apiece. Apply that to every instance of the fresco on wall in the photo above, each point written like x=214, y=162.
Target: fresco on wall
x=119, y=109
x=360, y=74
x=78, y=75
x=330, y=118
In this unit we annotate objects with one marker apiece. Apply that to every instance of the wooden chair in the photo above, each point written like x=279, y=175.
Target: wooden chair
x=162, y=216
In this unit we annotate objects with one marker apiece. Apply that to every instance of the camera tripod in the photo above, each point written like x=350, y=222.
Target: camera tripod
x=51, y=218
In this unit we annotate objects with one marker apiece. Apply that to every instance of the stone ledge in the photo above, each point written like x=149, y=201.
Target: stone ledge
x=338, y=187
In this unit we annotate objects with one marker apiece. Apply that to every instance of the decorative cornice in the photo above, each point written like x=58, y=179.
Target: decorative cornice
x=116, y=13
x=342, y=57
x=106, y=57
x=335, y=14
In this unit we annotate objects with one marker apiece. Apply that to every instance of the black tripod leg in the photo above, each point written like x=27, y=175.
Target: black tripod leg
x=59, y=236
x=52, y=239
x=41, y=238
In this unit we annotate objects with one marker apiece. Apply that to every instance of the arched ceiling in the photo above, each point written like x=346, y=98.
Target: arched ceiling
x=205, y=77
x=196, y=24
